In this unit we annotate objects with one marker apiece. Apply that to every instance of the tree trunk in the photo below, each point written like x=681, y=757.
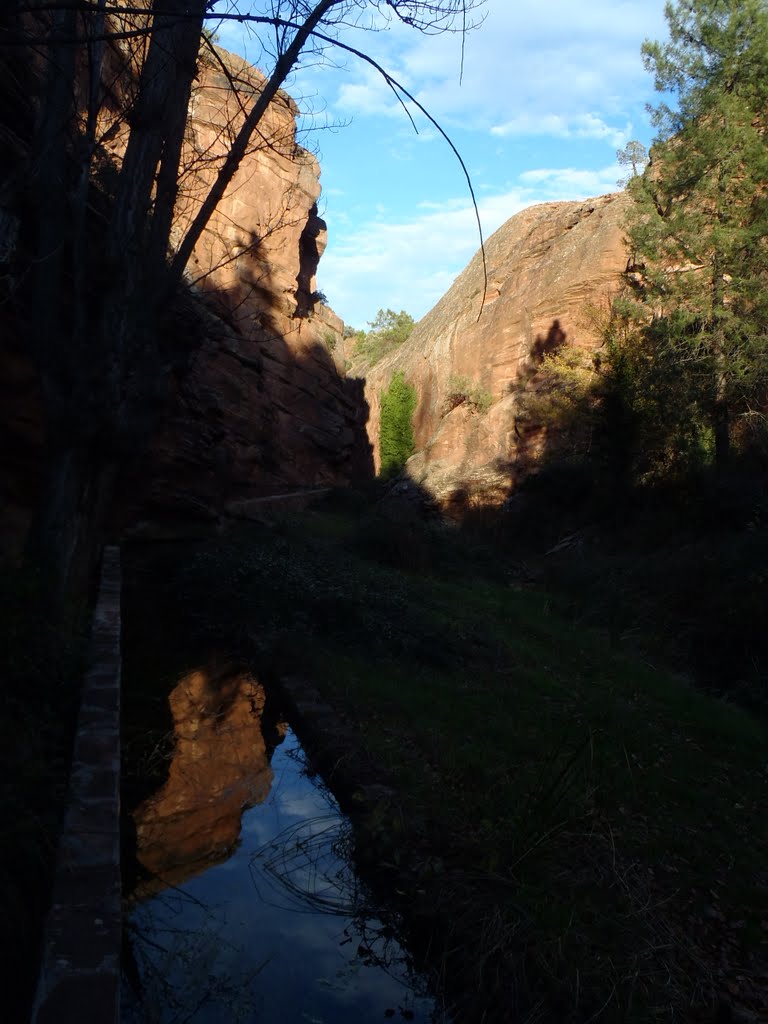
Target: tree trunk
x=720, y=411
x=722, y=430
x=69, y=531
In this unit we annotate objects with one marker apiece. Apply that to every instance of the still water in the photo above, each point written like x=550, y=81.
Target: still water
x=251, y=910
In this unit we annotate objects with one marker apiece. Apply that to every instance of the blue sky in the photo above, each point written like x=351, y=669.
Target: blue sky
x=549, y=92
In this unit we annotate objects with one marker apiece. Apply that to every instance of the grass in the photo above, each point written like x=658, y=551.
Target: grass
x=579, y=835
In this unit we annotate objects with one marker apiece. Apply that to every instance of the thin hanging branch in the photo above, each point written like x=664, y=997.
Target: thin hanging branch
x=398, y=89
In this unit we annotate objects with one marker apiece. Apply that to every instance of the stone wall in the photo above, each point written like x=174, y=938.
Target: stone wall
x=80, y=965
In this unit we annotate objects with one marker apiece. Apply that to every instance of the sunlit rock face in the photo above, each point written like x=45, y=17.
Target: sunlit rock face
x=219, y=767
x=549, y=268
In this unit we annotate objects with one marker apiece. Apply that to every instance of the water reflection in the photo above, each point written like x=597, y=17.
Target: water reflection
x=253, y=911
x=220, y=766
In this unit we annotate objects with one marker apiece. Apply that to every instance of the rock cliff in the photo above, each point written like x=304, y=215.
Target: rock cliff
x=255, y=403
x=260, y=407
x=548, y=267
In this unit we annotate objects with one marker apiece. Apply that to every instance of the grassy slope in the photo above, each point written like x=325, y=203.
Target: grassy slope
x=593, y=830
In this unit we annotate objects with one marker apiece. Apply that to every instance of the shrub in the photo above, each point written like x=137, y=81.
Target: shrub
x=396, y=441
x=463, y=391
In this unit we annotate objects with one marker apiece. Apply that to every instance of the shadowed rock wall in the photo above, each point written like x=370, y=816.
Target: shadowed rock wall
x=255, y=403
x=261, y=406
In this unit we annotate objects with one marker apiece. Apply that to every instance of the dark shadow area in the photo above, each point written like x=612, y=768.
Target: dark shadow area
x=228, y=411
x=548, y=344
x=254, y=406
x=238, y=413
x=447, y=657
x=668, y=561
x=43, y=656
x=309, y=259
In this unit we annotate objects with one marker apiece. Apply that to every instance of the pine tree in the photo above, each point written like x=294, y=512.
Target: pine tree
x=633, y=155
x=699, y=230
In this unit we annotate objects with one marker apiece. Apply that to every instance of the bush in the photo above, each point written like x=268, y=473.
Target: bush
x=462, y=391
x=396, y=441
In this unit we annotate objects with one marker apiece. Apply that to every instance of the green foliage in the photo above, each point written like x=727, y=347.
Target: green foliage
x=463, y=391
x=554, y=799
x=700, y=221
x=395, y=326
x=651, y=407
x=388, y=331
x=396, y=441
x=330, y=339
x=634, y=155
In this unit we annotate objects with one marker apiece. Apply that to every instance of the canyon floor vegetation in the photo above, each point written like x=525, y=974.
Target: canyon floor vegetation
x=578, y=832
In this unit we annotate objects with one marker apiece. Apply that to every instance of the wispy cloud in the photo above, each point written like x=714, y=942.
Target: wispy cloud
x=527, y=57
x=411, y=262
x=572, y=183
x=579, y=126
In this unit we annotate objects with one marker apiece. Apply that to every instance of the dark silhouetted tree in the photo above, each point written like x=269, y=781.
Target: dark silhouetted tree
x=96, y=349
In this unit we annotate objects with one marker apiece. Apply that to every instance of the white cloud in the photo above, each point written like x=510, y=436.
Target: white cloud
x=526, y=60
x=579, y=126
x=410, y=263
x=405, y=264
x=572, y=183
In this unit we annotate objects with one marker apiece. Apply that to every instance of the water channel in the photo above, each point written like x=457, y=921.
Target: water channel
x=249, y=908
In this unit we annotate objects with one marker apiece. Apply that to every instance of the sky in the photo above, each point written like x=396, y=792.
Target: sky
x=549, y=91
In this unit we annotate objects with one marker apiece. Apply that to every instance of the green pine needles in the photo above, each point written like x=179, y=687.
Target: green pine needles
x=396, y=441
x=700, y=222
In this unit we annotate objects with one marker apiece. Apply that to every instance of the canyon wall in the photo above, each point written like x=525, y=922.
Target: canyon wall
x=254, y=403
x=260, y=407
x=551, y=269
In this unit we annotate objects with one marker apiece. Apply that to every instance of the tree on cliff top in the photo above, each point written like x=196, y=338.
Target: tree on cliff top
x=388, y=331
x=633, y=155
x=700, y=222
x=96, y=350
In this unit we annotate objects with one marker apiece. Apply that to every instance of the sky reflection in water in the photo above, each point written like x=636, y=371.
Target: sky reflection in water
x=235, y=943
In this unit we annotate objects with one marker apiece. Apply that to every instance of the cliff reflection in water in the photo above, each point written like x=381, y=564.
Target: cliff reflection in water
x=219, y=768
x=252, y=910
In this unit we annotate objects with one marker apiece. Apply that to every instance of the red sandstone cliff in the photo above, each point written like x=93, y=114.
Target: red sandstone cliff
x=219, y=768
x=255, y=403
x=547, y=266
x=261, y=407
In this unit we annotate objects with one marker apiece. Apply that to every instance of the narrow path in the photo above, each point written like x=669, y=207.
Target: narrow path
x=247, y=508
x=80, y=967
